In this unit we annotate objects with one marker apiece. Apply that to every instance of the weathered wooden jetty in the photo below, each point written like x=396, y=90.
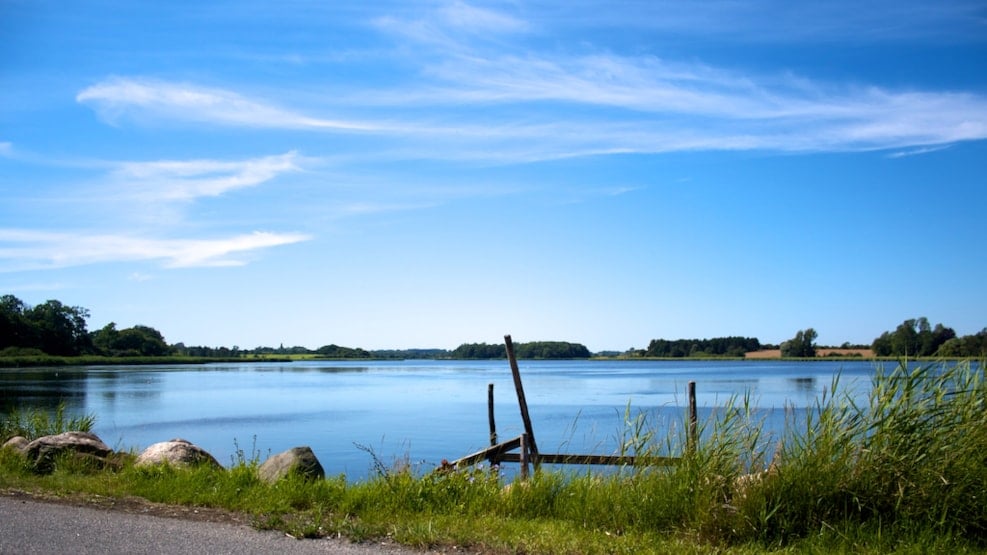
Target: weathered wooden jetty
x=524, y=449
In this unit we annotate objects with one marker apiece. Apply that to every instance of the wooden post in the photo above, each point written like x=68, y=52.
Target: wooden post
x=693, y=419
x=520, y=397
x=524, y=456
x=490, y=414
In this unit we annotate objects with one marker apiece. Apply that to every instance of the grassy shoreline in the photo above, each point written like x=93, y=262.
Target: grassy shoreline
x=906, y=473
x=42, y=361
x=45, y=361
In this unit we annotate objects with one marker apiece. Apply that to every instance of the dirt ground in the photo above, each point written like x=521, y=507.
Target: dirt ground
x=134, y=505
x=820, y=353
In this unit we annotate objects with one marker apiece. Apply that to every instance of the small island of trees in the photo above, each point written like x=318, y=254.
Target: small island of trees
x=702, y=348
x=533, y=350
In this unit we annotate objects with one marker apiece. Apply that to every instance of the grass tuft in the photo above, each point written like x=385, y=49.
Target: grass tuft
x=35, y=423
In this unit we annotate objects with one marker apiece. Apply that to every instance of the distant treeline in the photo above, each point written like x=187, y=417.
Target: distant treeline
x=326, y=351
x=56, y=329
x=715, y=347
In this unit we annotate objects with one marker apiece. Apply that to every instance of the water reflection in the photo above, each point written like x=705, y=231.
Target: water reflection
x=805, y=385
x=341, y=370
x=43, y=389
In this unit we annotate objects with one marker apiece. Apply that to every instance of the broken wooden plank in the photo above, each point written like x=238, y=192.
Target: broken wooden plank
x=492, y=453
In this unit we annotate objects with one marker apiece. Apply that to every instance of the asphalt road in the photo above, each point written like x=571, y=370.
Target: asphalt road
x=28, y=526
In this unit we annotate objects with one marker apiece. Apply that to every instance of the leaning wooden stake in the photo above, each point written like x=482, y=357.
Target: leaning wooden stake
x=525, y=455
x=490, y=414
x=532, y=446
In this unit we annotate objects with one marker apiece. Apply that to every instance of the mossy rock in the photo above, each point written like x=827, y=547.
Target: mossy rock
x=300, y=461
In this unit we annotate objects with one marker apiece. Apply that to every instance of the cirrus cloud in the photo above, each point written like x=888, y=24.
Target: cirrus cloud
x=177, y=180
x=519, y=109
x=22, y=249
x=116, y=97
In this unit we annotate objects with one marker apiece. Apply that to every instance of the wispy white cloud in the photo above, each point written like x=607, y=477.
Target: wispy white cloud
x=32, y=287
x=181, y=180
x=118, y=97
x=619, y=190
x=449, y=24
x=509, y=104
x=22, y=249
x=646, y=104
x=577, y=196
x=650, y=98
x=789, y=22
x=506, y=105
x=461, y=15
x=644, y=84
x=362, y=208
x=917, y=151
x=6, y=148
x=134, y=209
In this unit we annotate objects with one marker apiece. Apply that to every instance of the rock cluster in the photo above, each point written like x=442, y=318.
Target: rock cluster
x=43, y=454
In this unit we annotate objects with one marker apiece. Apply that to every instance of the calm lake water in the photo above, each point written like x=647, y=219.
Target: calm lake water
x=419, y=411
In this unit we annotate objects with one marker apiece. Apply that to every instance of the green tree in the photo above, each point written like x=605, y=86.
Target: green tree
x=936, y=339
x=143, y=341
x=550, y=350
x=104, y=339
x=532, y=350
x=913, y=338
x=882, y=345
x=335, y=351
x=59, y=329
x=800, y=346
x=717, y=346
x=135, y=341
x=971, y=346
x=905, y=339
x=479, y=351
x=14, y=329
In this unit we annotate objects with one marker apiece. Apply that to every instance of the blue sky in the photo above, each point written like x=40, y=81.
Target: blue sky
x=398, y=174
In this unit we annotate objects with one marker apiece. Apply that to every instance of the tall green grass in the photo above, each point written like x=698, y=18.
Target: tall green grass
x=38, y=422
x=913, y=461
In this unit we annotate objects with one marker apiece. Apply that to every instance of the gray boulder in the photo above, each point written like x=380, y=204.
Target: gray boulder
x=83, y=445
x=17, y=443
x=177, y=452
x=297, y=460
